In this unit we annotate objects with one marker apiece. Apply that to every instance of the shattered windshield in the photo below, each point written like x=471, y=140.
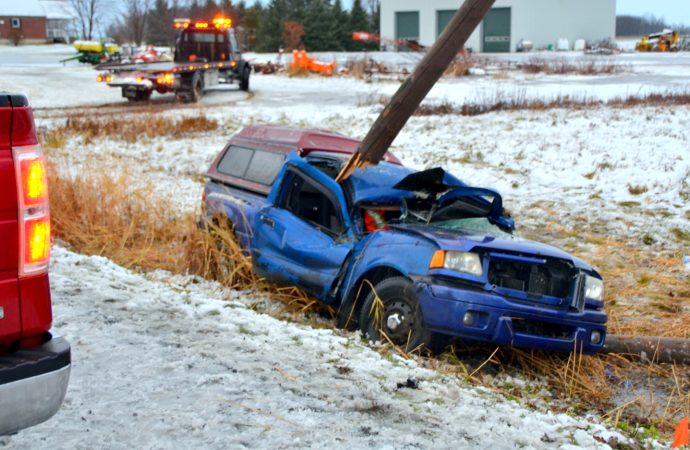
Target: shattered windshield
x=474, y=225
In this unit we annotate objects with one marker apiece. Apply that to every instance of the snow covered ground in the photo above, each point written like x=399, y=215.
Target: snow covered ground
x=163, y=362
x=585, y=164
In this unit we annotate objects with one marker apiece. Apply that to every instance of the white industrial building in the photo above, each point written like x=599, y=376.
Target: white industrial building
x=509, y=22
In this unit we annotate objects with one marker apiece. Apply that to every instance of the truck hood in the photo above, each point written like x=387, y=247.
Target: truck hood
x=465, y=242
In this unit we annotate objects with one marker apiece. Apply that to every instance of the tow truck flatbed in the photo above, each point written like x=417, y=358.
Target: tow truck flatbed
x=205, y=55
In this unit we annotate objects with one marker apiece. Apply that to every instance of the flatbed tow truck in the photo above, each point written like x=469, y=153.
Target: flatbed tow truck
x=206, y=54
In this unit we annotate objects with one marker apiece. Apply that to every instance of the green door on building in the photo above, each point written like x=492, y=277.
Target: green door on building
x=407, y=25
x=442, y=19
x=496, y=31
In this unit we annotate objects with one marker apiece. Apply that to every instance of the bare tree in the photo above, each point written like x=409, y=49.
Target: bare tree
x=135, y=18
x=88, y=12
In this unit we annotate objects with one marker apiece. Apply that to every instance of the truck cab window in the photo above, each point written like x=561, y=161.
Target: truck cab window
x=308, y=201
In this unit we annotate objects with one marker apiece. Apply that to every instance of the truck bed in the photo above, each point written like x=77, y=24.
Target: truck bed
x=163, y=66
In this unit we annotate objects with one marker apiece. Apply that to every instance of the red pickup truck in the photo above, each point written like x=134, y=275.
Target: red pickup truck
x=34, y=365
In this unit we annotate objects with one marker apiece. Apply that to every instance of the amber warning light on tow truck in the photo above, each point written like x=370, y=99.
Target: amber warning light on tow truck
x=182, y=23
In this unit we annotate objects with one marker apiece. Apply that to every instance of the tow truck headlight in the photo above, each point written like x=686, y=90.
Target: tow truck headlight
x=594, y=288
x=465, y=262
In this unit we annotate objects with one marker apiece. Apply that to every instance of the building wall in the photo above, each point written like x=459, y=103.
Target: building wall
x=541, y=21
x=33, y=29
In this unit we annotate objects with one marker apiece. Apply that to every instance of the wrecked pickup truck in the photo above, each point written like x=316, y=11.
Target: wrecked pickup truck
x=412, y=255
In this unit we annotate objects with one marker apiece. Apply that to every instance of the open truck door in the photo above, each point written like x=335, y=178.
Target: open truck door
x=305, y=234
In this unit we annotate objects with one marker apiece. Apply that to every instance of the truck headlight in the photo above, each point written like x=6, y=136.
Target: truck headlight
x=594, y=288
x=465, y=262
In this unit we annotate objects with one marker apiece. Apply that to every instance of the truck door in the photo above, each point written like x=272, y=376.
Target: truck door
x=305, y=234
x=235, y=54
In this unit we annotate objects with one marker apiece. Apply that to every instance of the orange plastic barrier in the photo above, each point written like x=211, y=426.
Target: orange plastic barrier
x=301, y=60
x=681, y=435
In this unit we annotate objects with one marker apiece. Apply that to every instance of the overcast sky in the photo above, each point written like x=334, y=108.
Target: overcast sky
x=674, y=11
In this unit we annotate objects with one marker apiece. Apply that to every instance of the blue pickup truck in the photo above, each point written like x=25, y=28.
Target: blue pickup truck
x=406, y=254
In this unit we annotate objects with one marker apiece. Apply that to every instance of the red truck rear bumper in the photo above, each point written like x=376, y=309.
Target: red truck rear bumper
x=33, y=383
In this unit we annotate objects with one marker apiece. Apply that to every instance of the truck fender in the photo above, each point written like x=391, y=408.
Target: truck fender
x=374, y=260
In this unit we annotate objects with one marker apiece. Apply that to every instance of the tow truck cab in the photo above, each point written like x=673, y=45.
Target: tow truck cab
x=34, y=365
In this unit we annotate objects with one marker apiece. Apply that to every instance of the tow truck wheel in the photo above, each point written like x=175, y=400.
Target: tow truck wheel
x=392, y=308
x=244, y=80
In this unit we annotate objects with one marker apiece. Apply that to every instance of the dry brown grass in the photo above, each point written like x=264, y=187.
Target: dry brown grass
x=101, y=214
x=300, y=72
x=563, y=66
x=459, y=67
x=129, y=128
x=519, y=101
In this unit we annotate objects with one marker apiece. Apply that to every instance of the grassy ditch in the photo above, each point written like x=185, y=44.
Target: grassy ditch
x=96, y=213
x=500, y=100
x=129, y=129
x=99, y=214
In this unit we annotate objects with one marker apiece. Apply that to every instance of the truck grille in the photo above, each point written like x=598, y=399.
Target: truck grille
x=541, y=328
x=535, y=277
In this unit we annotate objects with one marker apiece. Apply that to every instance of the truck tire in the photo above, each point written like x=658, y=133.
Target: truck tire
x=244, y=78
x=192, y=91
x=400, y=316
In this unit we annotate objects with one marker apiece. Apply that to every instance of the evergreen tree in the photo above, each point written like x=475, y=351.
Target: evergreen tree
x=159, y=30
x=251, y=23
x=195, y=11
x=269, y=34
x=210, y=10
x=341, y=26
x=240, y=12
x=376, y=18
x=359, y=21
x=319, y=26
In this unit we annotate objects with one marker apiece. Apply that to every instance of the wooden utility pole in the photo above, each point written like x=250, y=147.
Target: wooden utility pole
x=411, y=93
x=650, y=348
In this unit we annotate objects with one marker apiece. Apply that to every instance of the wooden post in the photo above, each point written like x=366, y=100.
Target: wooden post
x=414, y=89
x=651, y=348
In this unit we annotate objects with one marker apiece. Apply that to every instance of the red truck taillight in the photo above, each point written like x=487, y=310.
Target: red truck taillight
x=34, y=214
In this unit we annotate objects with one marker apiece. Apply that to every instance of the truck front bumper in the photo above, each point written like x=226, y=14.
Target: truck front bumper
x=486, y=316
x=33, y=383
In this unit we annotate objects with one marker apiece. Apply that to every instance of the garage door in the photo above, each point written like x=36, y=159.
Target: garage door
x=407, y=25
x=442, y=19
x=497, y=30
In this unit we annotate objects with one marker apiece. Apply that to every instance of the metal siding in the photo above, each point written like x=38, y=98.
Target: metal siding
x=541, y=21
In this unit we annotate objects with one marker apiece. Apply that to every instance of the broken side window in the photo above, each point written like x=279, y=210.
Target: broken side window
x=312, y=203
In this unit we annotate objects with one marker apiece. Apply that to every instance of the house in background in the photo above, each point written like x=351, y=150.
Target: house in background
x=508, y=23
x=36, y=21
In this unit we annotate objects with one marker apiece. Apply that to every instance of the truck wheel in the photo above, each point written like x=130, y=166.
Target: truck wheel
x=244, y=80
x=394, y=302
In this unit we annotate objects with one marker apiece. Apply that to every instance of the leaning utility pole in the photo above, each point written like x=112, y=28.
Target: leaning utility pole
x=414, y=89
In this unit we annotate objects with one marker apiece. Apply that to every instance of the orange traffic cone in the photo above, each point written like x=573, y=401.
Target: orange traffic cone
x=681, y=436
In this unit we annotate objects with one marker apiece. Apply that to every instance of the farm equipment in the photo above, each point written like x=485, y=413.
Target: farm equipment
x=94, y=52
x=206, y=54
x=302, y=61
x=665, y=41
